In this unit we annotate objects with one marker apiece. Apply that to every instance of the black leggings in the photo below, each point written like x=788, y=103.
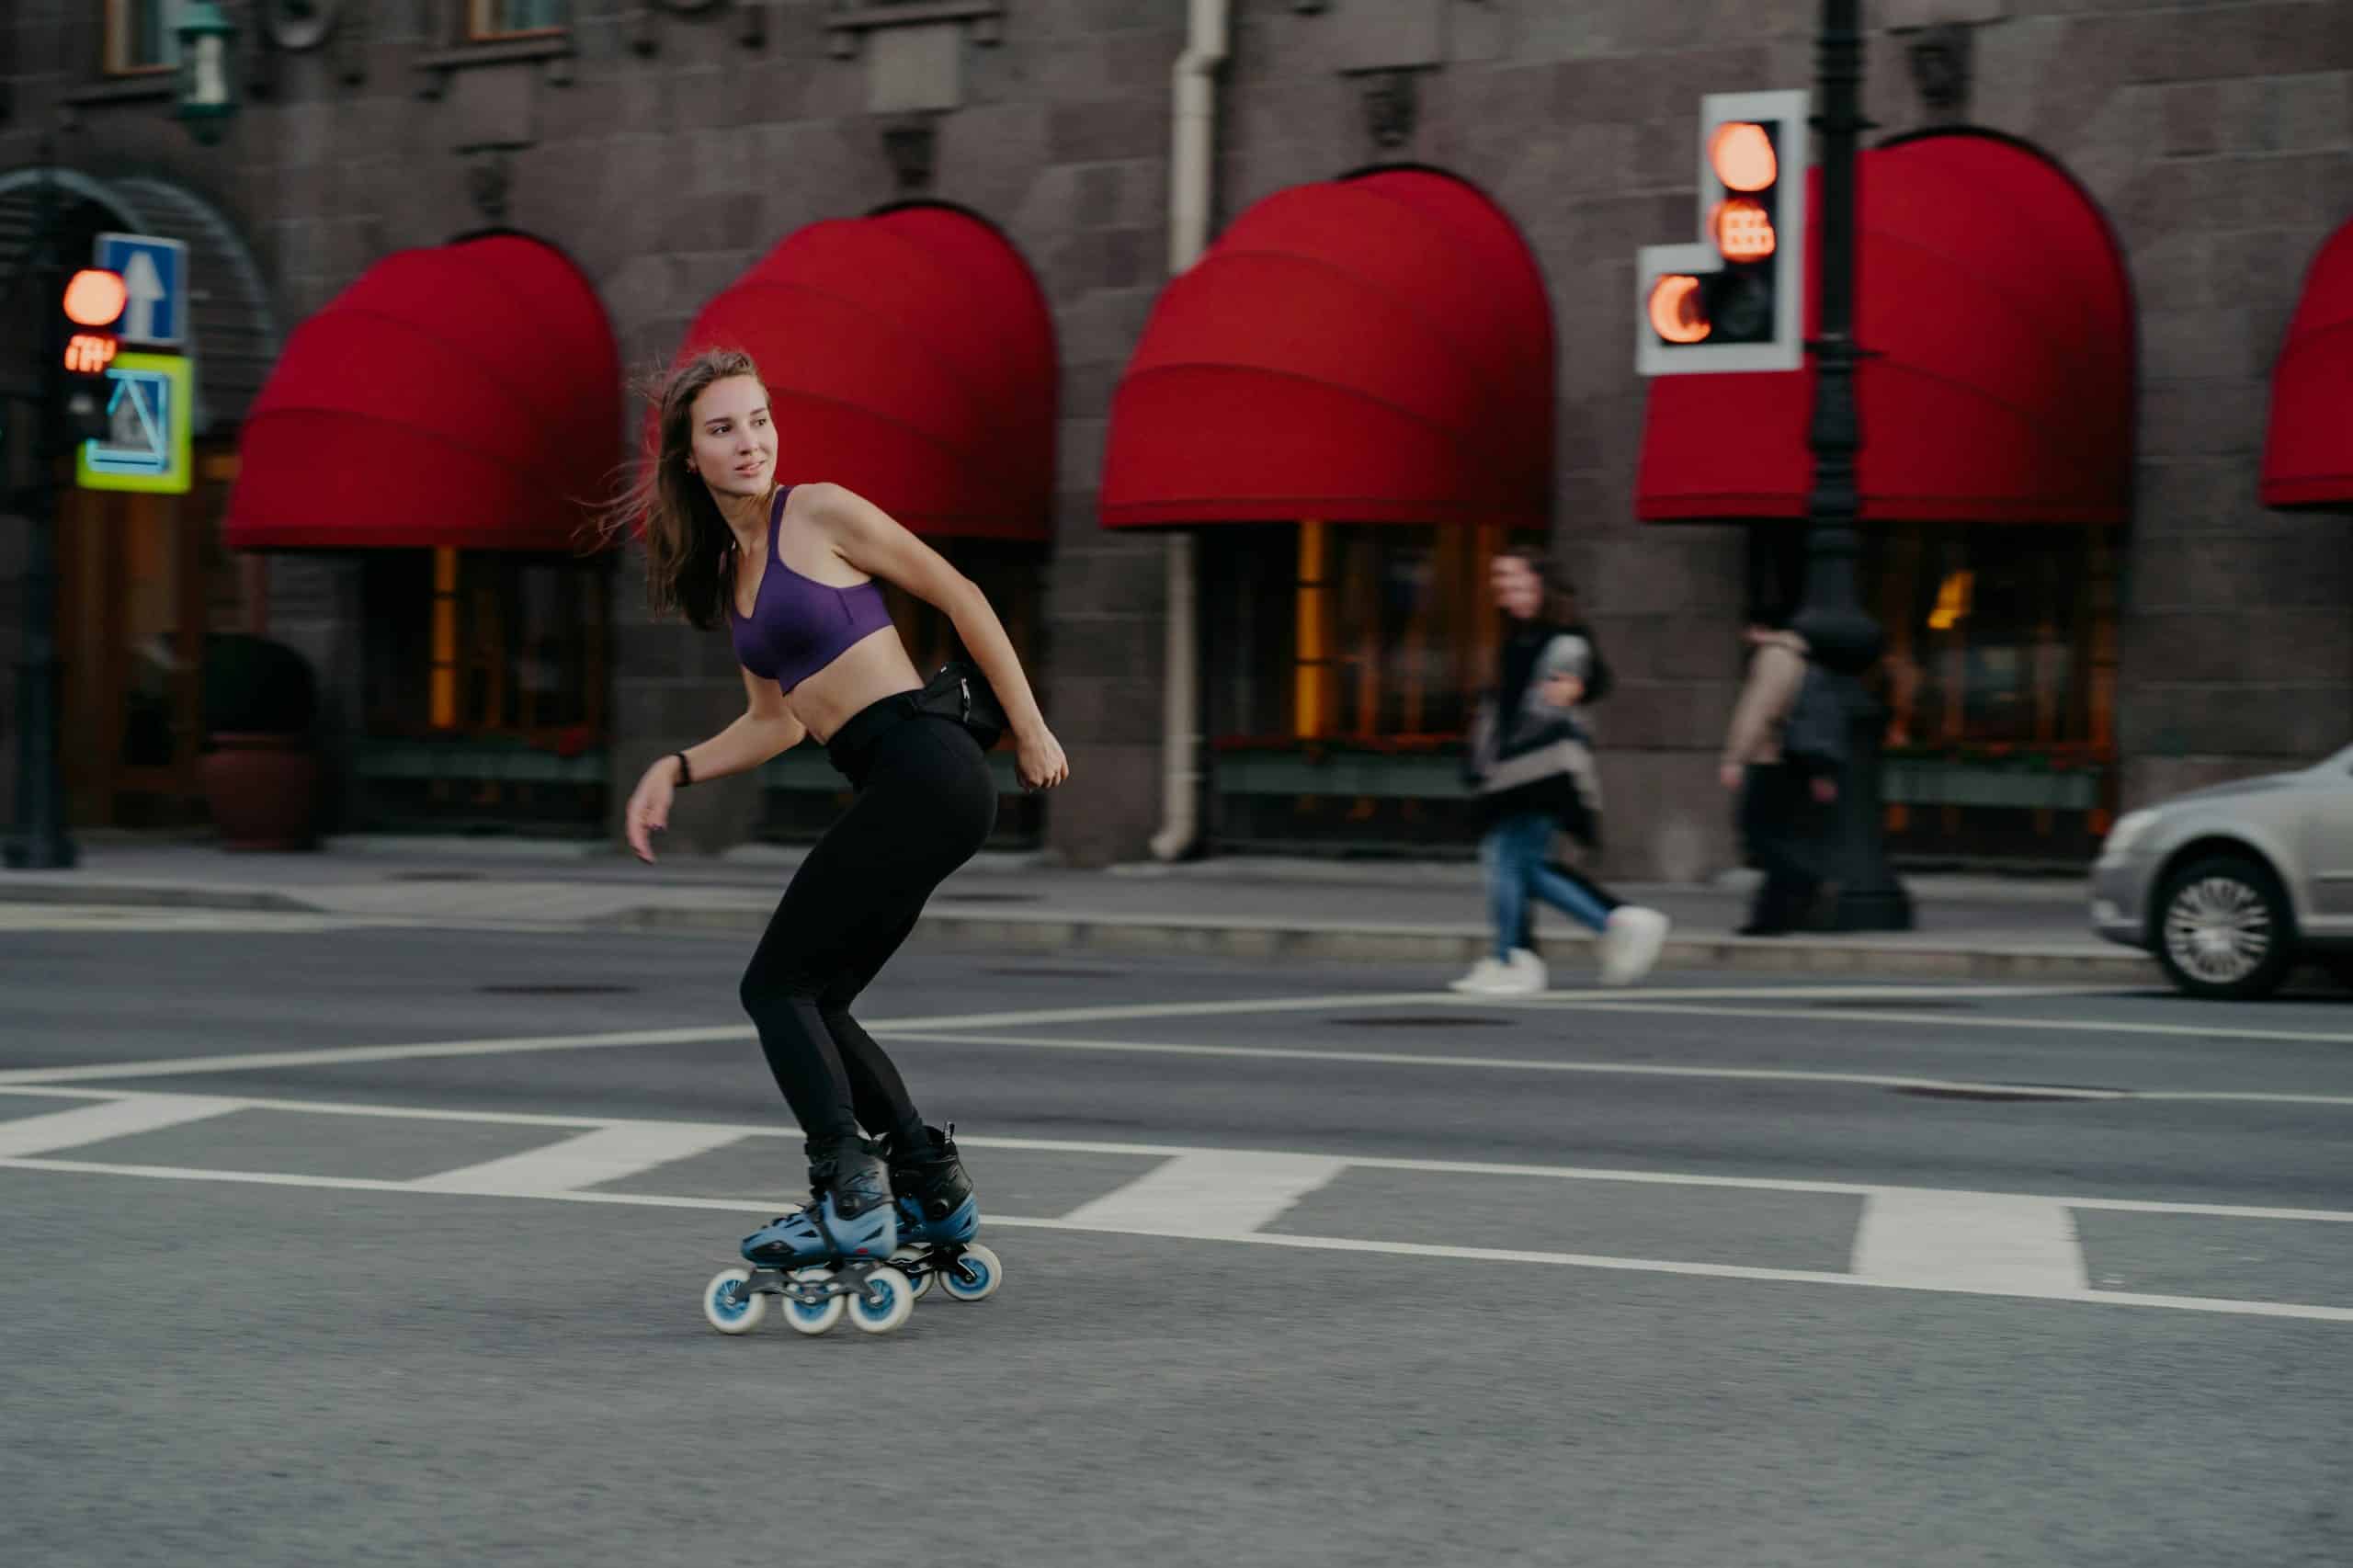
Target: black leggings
x=925, y=802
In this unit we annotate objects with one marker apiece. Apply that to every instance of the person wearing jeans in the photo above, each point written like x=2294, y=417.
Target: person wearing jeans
x=1532, y=766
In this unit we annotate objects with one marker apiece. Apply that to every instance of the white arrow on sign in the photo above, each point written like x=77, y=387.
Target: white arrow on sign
x=145, y=287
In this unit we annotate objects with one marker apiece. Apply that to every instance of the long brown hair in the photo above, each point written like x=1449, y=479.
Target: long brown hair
x=687, y=543
x=1560, y=603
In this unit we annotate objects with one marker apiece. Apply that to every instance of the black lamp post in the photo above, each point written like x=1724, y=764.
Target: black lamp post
x=39, y=841
x=1846, y=641
x=208, y=100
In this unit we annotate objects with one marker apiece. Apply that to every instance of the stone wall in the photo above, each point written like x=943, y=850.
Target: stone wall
x=675, y=144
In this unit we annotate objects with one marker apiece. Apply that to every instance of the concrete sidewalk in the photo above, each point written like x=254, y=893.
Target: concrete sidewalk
x=1381, y=911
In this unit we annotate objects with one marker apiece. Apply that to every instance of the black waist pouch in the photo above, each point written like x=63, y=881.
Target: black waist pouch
x=961, y=692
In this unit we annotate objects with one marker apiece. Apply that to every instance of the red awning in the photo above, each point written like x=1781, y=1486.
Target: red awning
x=908, y=356
x=1993, y=297
x=1372, y=349
x=466, y=396
x=2308, y=457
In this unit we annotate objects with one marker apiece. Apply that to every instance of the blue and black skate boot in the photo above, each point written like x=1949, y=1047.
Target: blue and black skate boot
x=849, y=1215
x=938, y=1216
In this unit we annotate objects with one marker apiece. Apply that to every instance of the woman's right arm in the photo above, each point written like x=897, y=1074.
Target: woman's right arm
x=767, y=729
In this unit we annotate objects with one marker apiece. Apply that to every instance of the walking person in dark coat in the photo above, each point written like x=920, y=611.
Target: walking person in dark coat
x=1778, y=793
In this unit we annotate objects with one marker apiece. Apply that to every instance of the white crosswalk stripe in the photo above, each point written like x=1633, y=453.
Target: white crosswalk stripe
x=2017, y=1245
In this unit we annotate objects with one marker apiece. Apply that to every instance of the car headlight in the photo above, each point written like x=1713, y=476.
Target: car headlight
x=2129, y=827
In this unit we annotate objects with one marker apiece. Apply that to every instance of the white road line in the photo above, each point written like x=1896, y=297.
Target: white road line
x=263, y=1061
x=608, y=1153
x=1632, y=1069
x=113, y=1118
x=1305, y=1244
x=1513, y=1063
x=1944, y=1020
x=1209, y=1195
x=1942, y=1241
x=724, y=1131
x=167, y=1067
x=1362, y=999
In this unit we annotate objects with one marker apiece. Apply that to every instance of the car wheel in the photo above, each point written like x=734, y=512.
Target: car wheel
x=2224, y=931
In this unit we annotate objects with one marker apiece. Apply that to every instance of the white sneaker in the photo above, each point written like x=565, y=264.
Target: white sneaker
x=1523, y=975
x=1631, y=944
x=1482, y=980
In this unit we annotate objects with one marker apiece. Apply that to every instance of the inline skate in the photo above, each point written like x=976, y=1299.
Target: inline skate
x=938, y=1217
x=831, y=1256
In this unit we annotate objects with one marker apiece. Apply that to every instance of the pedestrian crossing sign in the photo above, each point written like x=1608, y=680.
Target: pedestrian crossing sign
x=150, y=423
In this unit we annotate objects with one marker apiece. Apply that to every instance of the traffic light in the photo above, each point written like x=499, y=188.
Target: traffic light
x=92, y=303
x=1735, y=300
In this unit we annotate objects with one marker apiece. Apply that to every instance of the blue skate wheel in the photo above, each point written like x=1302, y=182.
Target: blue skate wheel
x=973, y=1277
x=908, y=1260
x=729, y=1304
x=884, y=1301
x=813, y=1317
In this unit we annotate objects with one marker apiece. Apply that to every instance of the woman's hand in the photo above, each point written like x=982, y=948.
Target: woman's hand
x=649, y=806
x=1038, y=760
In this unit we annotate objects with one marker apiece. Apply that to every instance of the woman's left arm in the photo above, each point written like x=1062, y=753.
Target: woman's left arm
x=876, y=544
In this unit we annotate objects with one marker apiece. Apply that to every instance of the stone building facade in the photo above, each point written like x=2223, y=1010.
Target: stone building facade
x=666, y=146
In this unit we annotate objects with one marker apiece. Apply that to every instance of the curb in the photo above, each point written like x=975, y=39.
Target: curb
x=1263, y=940
x=116, y=895
x=1267, y=940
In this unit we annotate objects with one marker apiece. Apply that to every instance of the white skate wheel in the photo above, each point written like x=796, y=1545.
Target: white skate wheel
x=974, y=1276
x=885, y=1302
x=905, y=1261
x=807, y=1317
x=730, y=1305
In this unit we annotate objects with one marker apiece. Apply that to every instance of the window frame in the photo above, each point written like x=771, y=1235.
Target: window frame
x=473, y=29
x=114, y=42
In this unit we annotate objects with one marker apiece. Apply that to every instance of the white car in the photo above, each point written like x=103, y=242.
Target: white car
x=2232, y=887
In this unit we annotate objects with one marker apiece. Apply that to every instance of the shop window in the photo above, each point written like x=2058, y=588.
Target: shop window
x=485, y=676
x=488, y=21
x=1344, y=664
x=140, y=39
x=1999, y=678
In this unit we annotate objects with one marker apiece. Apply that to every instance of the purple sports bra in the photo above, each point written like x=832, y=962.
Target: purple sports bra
x=798, y=626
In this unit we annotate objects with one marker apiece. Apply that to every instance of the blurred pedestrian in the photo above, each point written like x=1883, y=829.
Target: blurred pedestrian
x=1779, y=827
x=795, y=571
x=1531, y=763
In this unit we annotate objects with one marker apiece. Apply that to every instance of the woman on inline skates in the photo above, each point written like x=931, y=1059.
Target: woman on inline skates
x=791, y=570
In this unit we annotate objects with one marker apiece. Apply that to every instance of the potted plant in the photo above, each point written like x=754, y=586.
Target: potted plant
x=260, y=770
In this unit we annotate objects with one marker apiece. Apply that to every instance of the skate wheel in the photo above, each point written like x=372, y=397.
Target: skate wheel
x=729, y=1304
x=813, y=1317
x=909, y=1262
x=884, y=1304
x=973, y=1277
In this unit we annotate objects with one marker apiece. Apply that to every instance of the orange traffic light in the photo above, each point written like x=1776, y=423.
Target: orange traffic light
x=95, y=296
x=89, y=353
x=1677, y=312
x=1741, y=153
x=1741, y=229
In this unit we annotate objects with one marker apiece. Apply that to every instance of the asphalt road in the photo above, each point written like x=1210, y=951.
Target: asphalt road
x=336, y=1243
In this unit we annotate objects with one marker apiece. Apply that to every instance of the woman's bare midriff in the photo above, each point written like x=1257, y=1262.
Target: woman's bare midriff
x=873, y=667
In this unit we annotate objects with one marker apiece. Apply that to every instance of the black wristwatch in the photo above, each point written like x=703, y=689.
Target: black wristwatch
x=686, y=774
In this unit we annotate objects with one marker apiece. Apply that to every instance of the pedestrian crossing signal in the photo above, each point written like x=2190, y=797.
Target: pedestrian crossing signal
x=1734, y=300
x=89, y=353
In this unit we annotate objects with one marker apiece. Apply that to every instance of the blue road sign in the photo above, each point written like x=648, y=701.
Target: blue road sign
x=154, y=276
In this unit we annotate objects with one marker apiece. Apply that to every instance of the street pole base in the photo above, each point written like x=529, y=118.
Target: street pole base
x=41, y=852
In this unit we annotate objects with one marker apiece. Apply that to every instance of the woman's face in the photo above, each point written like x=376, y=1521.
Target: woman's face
x=1520, y=592
x=733, y=443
